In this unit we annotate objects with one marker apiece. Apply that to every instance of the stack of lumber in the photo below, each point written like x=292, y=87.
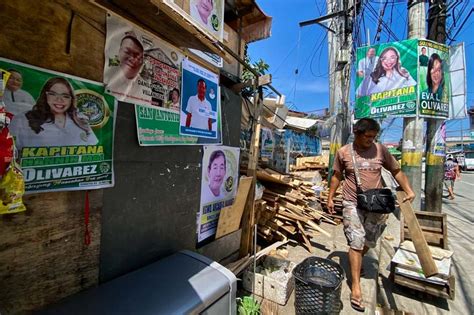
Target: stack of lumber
x=323, y=199
x=290, y=206
x=320, y=163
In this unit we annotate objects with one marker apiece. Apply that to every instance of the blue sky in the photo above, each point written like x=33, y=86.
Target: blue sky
x=308, y=90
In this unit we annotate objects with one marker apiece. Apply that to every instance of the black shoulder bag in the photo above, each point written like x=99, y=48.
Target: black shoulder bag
x=379, y=200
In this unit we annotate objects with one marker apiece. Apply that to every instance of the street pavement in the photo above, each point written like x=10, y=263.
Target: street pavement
x=378, y=290
x=460, y=217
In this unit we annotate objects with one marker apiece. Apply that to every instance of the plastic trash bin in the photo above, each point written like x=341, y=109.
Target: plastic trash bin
x=183, y=283
x=318, y=286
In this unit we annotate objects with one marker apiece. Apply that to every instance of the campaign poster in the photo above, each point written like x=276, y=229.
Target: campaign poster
x=386, y=79
x=63, y=128
x=220, y=175
x=200, y=104
x=267, y=143
x=434, y=88
x=458, y=86
x=439, y=148
x=139, y=67
x=209, y=14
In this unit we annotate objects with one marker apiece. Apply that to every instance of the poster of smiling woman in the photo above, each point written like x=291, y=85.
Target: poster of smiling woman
x=220, y=173
x=64, y=136
x=434, y=90
x=386, y=79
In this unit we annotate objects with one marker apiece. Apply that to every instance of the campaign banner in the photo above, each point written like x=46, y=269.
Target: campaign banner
x=267, y=143
x=200, y=104
x=386, y=79
x=439, y=148
x=63, y=128
x=208, y=14
x=220, y=175
x=457, y=77
x=139, y=67
x=211, y=58
x=434, y=88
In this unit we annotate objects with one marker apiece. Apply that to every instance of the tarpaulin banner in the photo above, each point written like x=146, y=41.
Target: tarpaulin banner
x=439, y=148
x=139, y=67
x=220, y=175
x=200, y=104
x=208, y=14
x=267, y=143
x=63, y=128
x=386, y=79
x=457, y=77
x=434, y=87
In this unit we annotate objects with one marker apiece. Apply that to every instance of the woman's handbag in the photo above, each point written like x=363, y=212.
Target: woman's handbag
x=379, y=200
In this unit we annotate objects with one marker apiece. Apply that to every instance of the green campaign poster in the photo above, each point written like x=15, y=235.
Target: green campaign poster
x=433, y=77
x=159, y=126
x=63, y=128
x=386, y=79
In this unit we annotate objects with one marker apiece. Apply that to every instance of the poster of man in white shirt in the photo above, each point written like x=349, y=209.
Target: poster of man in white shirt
x=200, y=104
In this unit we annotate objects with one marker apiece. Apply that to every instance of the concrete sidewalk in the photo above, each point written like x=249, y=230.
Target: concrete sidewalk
x=335, y=248
x=460, y=240
x=378, y=290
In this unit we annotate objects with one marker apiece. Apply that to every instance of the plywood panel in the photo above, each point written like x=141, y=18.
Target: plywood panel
x=42, y=252
x=66, y=36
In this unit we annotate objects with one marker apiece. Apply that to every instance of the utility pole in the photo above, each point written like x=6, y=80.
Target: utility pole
x=340, y=47
x=341, y=13
x=412, y=148
x=435, y=164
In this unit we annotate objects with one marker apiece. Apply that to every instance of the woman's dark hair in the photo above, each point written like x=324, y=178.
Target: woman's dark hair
x=379, y=70
x=170, y=95
x=366, y=124
x=215, y=155
x=434, y=57
x=41, y=112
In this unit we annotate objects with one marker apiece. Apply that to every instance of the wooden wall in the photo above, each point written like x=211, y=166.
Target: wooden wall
x=42, y=253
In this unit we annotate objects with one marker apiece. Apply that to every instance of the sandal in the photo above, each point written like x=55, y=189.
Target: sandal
x=357, y=304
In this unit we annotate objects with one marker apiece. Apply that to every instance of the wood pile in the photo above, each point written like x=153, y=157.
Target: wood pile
x=289, y=206
x=320, y=163
x=323, y=199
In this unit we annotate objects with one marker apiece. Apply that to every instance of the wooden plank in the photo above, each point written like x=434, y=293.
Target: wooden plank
x=435, y=239
x=422, y=249
x=246, y=262
x=317, y=228
x=248, y=218
x=305, y=237
x=265, y=79
x=292, y=216
x=289, y=228
x=433, y=289
x=263, y=176
x=229, y=218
